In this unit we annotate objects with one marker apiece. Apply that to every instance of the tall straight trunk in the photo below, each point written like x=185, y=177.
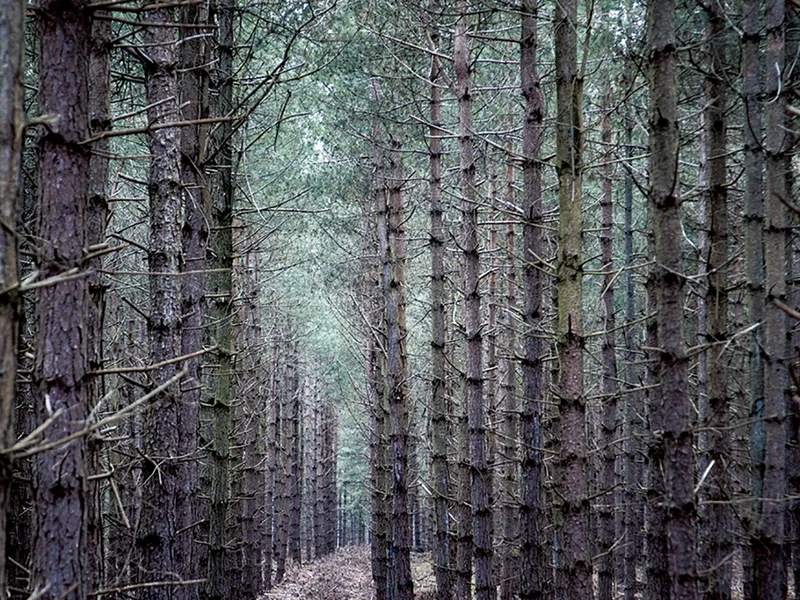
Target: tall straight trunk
x=634, y=512
x=272, y=463
x=397, y=364
x=531, y=559
x=12, y=118
x=609, y=386
x=330, y=496
x=463, y=588
x=439, y=412
x=193, y=88
x=248, y=371
x=574, y=566
x=221, y=573
x=474, y=393
x=283, y=494
x=679, y=502
x=768, y=550
x=657, y=575
x=162, y=493
x=60, y=477
x=99, y=120
x=719, y=543
x=376, y=243
x=295, y=485
x=753, y=212
x=510, y=573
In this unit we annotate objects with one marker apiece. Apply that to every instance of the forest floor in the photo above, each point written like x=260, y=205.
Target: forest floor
x=345, y=575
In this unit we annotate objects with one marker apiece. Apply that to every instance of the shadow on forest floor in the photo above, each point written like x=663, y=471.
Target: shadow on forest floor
x=345, y=575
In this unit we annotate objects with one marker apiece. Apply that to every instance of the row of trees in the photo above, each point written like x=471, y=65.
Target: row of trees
x=162, y=431
x=620, y=371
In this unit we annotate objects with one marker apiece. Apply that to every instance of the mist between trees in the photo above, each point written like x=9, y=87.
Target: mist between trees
x=512, y=285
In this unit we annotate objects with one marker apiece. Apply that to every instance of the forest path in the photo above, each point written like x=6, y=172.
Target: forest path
x=345, y=575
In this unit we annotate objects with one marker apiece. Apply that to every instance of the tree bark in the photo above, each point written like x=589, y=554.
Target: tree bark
x=609, y=385
x=12, y=129
x=531, y=560
x=510, y=411
x=196, y=198
x=753, y=213
x=574, y=571
x=99, y=120
x=397, y=364
x=719, y=521
x=60, y=372
x=475, y=402
x=222, y=573
x=439, y=412
x=679, y=502
x=769, y=578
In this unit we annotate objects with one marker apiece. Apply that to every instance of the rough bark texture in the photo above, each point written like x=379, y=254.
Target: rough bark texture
x=397, y=363
x=509, y=586
x=295, y=470
x=221, y=572
x=99, y=120
x=162, y=559
x=718, y=544
x=679, y=502
x=196, y=197
x=633, y=471
x=768, y=550
x=376, y=366
x=12, y=128
x=574, y=572
x=609, y=387
x=531, y=562
x=439, y=412
x=753, y=213
x=474, y=393
x=60, y=480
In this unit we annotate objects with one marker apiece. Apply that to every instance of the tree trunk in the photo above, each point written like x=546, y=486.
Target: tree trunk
x=60, y=479
x=531, y=560
x=753, y=209
x=718, y=514
x=679, y=503
x=439, y=413
x=475, y=402
x=12, y=118
x=768, y=551
x=397, y=364
x=99, y=120
x=510, y=573
x=574, y=571
x=222, y=573
x=196, y=197
x=609, y=386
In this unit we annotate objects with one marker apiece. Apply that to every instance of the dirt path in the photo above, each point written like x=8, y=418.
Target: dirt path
x=344, y=576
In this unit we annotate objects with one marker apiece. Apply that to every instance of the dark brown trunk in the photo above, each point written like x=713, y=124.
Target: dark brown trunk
x=531, y=560
x=439, y=413
x=753, y=212
x=609, y=386
x=193, y=87
x=676, y=410
x=509, y=409
x=60, y=372
x=574, y=570
x=768, y=550
x=397, y=365
x=718, y=517
x=475, y=402
x=99, y=120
